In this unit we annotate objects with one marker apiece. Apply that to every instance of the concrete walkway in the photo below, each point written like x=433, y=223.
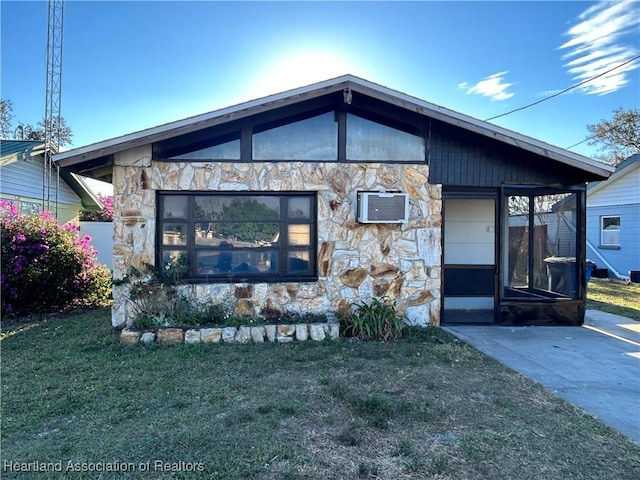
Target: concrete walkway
x=596, y=367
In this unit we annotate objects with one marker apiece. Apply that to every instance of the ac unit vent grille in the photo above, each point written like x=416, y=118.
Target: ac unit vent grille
x=383, y=207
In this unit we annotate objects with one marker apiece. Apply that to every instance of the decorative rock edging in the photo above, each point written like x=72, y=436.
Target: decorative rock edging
x=245, y=334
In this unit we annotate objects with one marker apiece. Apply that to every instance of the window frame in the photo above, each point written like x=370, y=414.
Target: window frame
x=282, y=248
x=244, y=130
x=602, y=230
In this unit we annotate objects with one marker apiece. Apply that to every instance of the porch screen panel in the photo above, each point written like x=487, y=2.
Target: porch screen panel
x=542, y=246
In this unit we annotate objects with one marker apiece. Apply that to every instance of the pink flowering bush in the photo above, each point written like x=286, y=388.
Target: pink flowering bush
x=104, y=215
x=47, y=267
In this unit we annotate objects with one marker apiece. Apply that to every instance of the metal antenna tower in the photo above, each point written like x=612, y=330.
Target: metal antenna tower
x=52, y=115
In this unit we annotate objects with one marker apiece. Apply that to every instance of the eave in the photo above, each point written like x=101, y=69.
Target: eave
x=99, y=155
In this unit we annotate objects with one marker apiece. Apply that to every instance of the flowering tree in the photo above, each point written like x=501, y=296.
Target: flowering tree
x=104, y=215
x=47, y=267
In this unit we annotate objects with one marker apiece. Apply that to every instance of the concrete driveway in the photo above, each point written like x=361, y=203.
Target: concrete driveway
x=596, y=367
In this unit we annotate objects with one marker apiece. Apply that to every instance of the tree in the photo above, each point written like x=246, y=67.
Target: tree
x=249, y=231
x=619, y=137
x=62, y=134
x=6, y=114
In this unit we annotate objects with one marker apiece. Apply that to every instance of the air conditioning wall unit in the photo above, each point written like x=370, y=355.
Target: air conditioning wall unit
x=381, y=207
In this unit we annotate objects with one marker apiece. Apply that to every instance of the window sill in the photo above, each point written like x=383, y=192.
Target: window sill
x=248, y=279
x=609, y=247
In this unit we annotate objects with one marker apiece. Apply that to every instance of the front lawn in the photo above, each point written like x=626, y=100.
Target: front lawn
x=614, y=297
x=425, y=407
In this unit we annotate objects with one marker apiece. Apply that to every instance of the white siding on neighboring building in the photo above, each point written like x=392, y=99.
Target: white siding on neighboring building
x=617, y=197
x=25, y=179
x=22, y=182
x=623, y=190
x=627, y=256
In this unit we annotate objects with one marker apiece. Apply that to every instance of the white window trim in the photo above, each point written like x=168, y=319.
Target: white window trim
x=602, y=236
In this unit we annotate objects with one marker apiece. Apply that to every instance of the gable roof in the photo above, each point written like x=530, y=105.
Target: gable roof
x=629, y=164
x=12, y=151
x=98, y=153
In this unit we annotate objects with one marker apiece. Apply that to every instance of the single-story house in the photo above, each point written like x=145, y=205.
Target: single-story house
x=23, y=177
x=342, y=191
x=613, y=220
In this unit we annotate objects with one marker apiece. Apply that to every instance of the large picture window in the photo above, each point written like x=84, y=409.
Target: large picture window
x=239, y=236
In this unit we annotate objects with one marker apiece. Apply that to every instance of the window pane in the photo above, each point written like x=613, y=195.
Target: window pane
x=211, y=234
x=251, y=234
x=174, y=234
x=299, y=235
x=173, y=257
x=611, y=237
x=30, y=208
x=224, y=151
x=367, y=140
x=518, y=241
x=311, y=139
x=299, y=208
x=174, y=207
x=298, y=262
x=555, y=237
x=228, y=207
x=236, y=262
x=611, y=223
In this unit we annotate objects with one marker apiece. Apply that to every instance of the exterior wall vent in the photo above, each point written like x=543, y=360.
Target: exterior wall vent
x=380, y=207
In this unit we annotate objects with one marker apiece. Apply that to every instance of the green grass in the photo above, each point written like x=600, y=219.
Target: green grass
x=614, y=297
x=425, y=407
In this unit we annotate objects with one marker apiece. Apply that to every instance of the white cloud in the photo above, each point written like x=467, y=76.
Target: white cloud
x=492, y=86
x=604, y=37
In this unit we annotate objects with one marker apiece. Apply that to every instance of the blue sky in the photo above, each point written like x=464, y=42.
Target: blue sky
x=128, y=66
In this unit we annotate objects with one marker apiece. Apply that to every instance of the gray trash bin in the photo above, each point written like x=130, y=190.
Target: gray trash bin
x=562, y=274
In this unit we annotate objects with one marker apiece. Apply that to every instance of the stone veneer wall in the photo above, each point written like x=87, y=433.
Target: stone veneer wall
x=356, y=262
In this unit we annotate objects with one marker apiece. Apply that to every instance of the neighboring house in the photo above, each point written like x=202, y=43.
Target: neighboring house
x=22, y=177
x=613, y=220
x=339, y=192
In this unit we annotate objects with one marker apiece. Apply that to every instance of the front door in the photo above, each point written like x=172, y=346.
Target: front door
x=469, y=276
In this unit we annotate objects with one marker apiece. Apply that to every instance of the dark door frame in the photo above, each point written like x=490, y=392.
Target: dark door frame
x=477, y=194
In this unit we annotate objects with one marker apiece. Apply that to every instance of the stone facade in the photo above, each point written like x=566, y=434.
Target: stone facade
x=355, y=261
x=245, y=334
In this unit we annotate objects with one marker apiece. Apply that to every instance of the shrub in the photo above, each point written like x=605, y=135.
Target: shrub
x=157, y=302
x=104, y=215
x=277, y=316
x=377, y=320
x=47, y=267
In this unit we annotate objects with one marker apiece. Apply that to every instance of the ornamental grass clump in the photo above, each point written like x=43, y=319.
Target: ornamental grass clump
x=377, y=320
x=48, y=267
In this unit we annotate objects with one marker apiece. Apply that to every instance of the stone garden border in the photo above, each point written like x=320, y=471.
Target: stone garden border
x=244, y=334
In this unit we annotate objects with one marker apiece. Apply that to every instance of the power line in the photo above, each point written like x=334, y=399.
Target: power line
x=591, y=137
x=564, y=91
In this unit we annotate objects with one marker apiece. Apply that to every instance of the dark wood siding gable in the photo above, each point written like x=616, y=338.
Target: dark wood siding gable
x=462, y=158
